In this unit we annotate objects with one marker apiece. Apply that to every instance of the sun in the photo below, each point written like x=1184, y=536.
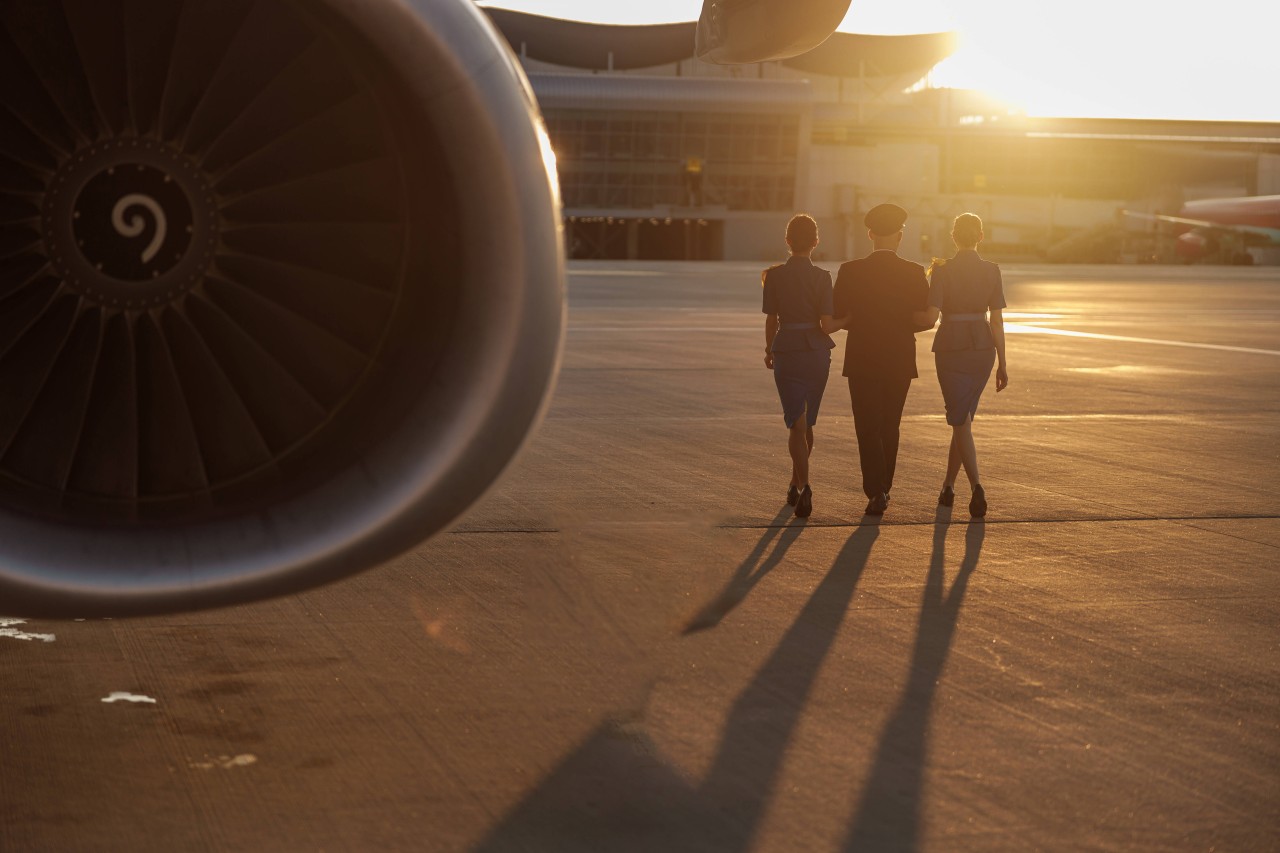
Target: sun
x=1109, y=59
x=1093, y=58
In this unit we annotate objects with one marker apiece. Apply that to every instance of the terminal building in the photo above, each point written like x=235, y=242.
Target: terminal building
x=662, y=156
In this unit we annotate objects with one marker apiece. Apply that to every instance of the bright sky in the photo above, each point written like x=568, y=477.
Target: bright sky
x=1101, y=58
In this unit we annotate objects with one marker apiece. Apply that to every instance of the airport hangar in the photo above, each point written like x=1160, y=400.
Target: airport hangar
x=662, y=156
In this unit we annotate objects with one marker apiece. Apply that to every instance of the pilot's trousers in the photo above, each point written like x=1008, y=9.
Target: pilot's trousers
x=877, y=414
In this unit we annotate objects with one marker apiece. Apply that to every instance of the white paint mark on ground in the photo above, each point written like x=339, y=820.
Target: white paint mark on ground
x=119, y=696
x=1020, y=329
x=1011, y=328
x=225, y=762
x=1123, y=369
x=7, y=630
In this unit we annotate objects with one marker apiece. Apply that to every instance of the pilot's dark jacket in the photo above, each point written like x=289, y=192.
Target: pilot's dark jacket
x=880, y=293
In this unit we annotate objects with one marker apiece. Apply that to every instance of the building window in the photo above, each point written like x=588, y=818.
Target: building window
x=636, y=160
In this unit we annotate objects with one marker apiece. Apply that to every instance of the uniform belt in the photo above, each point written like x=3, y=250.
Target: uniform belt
x=964, y=316
x=795, y=327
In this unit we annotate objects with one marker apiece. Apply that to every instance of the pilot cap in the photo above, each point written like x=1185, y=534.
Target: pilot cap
x=886, y=219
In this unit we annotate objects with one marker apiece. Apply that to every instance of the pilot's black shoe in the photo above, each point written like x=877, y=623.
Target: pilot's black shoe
x=877, y=505
x=804, y=503
x=947, y=496
x=793, y=495
x=978, y=504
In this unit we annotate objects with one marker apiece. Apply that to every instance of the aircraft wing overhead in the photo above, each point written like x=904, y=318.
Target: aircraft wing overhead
x=1162, y=217
x=742, y=31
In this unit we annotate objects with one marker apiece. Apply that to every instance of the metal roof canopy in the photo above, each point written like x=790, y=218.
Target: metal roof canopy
x=605, y=47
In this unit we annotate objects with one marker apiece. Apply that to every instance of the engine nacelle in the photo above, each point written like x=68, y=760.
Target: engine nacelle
x=281, y=291
x=1192, y=246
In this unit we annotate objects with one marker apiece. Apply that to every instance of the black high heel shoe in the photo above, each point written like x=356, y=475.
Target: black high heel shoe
x=793, y=495
x=947, y=496
x=804, y=504
x=978, y=503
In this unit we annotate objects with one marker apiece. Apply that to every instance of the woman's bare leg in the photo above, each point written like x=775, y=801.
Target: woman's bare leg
x=953, y=462
x=962, y=439
x=798, y=443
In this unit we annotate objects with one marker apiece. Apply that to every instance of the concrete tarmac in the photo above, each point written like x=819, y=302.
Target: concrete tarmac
x=632, y=645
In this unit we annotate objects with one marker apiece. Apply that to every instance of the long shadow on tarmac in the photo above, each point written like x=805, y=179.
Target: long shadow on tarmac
x=888, y=818
x=613, y=793
x=747, y=574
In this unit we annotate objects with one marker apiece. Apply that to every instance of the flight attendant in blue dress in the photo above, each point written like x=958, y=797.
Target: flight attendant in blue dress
x=966, y=347
x=797, y=328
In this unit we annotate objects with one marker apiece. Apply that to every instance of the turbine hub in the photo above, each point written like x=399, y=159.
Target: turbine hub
x=130, y=223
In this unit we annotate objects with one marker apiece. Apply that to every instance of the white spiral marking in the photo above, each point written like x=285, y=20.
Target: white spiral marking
x=136, y=223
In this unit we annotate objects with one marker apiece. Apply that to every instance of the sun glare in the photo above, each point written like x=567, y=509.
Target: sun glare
x=1105, y=58
x=1094, y=58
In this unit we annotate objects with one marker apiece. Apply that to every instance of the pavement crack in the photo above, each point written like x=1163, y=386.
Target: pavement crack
x=1224, y=533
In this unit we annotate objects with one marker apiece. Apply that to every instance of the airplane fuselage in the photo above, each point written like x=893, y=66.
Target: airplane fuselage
x=1262, y=211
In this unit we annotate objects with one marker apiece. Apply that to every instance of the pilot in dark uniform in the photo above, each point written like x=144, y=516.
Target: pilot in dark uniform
x=798, y=323
x=877, y=296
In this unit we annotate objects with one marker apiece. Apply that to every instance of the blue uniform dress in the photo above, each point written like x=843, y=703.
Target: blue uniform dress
x=799, y=293
x=963, y=289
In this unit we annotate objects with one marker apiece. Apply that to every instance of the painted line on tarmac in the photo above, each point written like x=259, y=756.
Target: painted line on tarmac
x=992, y=416
x=673, y=327
x=966, y=521
x=1020, y=329
x=472, y=531
x=1011, y=328
x=619, y=273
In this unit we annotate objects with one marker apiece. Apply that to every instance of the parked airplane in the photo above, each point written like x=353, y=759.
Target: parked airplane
x=281, y=285
x=1222, y=228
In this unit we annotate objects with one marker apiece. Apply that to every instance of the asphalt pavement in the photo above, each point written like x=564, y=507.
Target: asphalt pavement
x=632, y=645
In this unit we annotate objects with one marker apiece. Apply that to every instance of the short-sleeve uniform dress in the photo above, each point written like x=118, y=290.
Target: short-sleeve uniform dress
x=800, y=294
x=963, y=289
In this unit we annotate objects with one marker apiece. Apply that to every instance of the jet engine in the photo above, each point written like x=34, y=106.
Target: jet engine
x=281, y=291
